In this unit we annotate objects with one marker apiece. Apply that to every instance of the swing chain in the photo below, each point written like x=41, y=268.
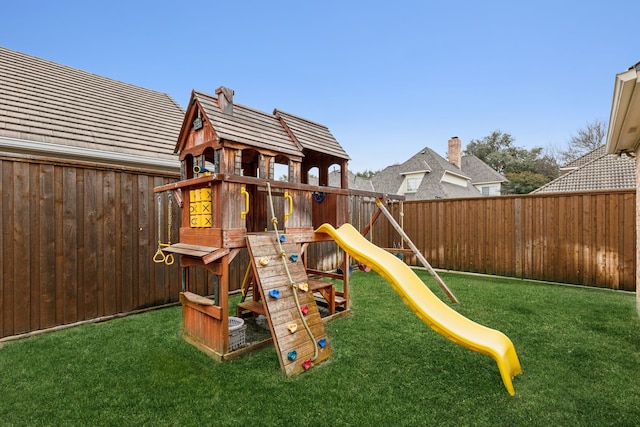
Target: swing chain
x=169, y=258
x=159, y=256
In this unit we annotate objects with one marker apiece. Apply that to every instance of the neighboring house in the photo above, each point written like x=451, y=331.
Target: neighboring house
x=80, y=155
x=595, y=170
x=428, y=175
x=354, y=181
x=623, y=135
x=55, y=110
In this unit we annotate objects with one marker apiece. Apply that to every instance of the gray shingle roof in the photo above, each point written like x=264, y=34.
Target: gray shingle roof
x=390, y=179
x=479, y=171
x=354, y=182
x=607, y=172
x=51, y=103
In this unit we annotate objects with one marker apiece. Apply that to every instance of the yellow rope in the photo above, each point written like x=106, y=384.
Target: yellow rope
x=283, y=255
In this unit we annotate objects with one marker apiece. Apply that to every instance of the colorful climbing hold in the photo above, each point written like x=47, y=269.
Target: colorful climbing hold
x=264, y=261
x=306, y=364
x=282, y=238
x=292, y=327
x=292, y=355
x=364, y=268
x=339, y=270
x=303, y=286
x=293, y=257
x=322, y=342
x=304, y=310
x=274, y=293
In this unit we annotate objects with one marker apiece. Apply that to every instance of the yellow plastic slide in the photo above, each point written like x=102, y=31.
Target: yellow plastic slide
x=427, y=306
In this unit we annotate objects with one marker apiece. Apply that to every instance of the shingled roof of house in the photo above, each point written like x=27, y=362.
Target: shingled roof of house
x=432, y=186
x=606, y=172
x=479, y=171
x=49, y=103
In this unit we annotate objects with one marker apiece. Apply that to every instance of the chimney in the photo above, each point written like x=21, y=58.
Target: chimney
x=225, y=99
x=455, y=152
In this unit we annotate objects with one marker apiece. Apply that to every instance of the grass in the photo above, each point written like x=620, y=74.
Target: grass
x=579, y=348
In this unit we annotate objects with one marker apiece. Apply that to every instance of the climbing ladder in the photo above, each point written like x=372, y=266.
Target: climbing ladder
x=294, y=320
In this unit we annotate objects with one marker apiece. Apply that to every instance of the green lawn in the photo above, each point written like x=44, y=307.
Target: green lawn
x=579, y=349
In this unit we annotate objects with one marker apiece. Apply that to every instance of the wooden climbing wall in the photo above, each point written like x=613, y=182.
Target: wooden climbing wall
x=295, y=349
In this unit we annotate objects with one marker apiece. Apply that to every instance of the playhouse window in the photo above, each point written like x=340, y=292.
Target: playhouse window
x=281, y=169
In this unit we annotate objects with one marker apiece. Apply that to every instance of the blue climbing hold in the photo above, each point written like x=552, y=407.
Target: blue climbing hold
x=282, y=238
x=318, y=196
x=292, y=355
x=274, y=293
x=340, y=271
x=322, y=343
x=293, y=257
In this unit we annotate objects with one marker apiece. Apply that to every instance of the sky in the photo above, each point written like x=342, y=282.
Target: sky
x=387, y=78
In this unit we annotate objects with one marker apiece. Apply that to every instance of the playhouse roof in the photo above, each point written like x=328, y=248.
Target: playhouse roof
x=312, y=136
x=246, y=125
x=53, y=105
x=280, y=132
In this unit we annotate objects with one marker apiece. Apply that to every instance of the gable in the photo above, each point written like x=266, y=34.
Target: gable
x=454, y=178
x=244, y=126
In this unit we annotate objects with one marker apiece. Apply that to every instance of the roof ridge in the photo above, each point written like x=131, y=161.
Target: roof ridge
x=299, y=117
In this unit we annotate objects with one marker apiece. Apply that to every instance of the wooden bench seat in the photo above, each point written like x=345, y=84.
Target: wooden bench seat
x=326, y=290
x=255, y=307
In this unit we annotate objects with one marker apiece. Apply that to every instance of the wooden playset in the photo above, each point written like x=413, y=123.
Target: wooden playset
x=232, y=201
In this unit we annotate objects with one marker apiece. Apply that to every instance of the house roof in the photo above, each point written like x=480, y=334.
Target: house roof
x=390, y=179
x=623, y=134
x=247, y=126
x=606, y=172
x=585, y=158
x=355, y=182
x=479, y=171
x=52, y=104
x=311, y=135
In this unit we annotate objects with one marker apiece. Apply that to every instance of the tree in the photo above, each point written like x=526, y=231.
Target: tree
x=585, y=140
x=367, y=173
x=527, y=169
x=524, y=182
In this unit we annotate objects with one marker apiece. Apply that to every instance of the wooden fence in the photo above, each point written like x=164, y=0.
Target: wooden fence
x=577, y=238
x=77, y=241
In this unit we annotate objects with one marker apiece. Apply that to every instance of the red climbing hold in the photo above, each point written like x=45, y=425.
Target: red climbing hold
x=304, y=309
x=306, y=365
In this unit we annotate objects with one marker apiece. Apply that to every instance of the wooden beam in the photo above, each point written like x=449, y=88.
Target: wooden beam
x=421, y=258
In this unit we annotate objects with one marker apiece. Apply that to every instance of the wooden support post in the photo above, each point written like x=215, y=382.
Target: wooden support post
x=223, y=283
x=415, y=250
x=370, y=225
x=345, y=280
